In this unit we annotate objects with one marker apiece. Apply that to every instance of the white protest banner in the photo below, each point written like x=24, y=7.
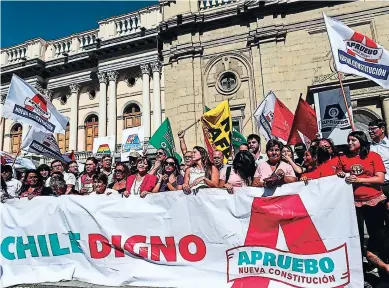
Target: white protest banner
x=355, y=53
x=25, y=104
x=264, y=115
x=42, y=143
x=302, y=236
x=132, y=141
x=104, y=145
x=331, y=114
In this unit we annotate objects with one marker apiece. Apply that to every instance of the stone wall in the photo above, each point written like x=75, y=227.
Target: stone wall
x=285, y=50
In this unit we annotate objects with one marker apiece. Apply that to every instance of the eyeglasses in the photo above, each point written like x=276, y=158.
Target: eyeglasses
x=187, y=157
x=119, y=171
x=217, y=158
x=160, y=153
x=172, y=164
x=55, y=166
x=372, y=129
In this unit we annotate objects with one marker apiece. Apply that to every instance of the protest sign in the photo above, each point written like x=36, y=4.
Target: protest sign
x=295, y=238
x=331, y=114
x=132, y=141
x=104, y=145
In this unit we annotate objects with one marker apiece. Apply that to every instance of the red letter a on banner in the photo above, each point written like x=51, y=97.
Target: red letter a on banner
x=267, y=215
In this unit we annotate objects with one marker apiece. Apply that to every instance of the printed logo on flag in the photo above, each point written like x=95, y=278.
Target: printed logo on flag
x=364, y=55
x=38, y=105
x=132, y=143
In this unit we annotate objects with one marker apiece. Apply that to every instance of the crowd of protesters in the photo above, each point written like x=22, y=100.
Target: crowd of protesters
x=363, y=165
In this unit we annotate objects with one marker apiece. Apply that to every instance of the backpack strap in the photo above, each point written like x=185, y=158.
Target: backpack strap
x=228, y=173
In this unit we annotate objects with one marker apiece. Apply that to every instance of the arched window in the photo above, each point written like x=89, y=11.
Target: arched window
x=63, y=140
x=16, y=137
x=132, y=116
x=91, y=130
x=362, y=117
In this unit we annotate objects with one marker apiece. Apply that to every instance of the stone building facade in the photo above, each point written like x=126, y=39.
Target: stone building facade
x=216, y=50
x=103, y=80
x=175, y=58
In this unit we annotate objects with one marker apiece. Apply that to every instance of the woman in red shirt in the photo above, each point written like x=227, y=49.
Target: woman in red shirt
x=367, y=174
x=141, y=183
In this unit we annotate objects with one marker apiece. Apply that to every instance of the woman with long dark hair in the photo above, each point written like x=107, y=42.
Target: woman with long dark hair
x=367, y=175
x=287, y=155
x=202, y=173
x=240, y=174
x=274, y=172
x=120, y=175
x=33, y=185
x=141, y=183
x=170, y=179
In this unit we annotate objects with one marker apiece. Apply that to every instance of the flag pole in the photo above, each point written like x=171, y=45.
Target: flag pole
x=20, y=148
x=345, y=102
x=252, y=114
x=339, y=78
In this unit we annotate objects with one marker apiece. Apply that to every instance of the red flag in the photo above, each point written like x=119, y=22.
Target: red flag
x=304, y=123
x=282, y=121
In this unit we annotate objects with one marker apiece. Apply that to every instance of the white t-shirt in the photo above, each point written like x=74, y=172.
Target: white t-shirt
x=13, y=187
x=69, y=178
x=108, y=190
x=382, y=149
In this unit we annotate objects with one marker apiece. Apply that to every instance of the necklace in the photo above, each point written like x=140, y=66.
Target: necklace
x=135, y=189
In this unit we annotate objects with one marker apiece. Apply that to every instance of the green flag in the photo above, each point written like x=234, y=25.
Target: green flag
x=163, y=138
x=237, y=138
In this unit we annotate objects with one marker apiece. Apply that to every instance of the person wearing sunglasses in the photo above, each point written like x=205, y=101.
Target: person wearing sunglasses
x=170, y=179
x=161, y=156
x=121, y=173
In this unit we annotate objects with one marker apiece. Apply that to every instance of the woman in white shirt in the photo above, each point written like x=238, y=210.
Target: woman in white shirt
x=100, y=182
x=202, y=174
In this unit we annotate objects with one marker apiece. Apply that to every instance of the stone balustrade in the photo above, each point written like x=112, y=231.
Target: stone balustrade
x=87, y=38
x=207, y=4
x=109, y=28
x=62, y=47
x=127, y=24
x=15, y=54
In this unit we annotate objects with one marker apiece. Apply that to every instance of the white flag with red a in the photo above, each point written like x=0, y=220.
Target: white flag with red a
x=25, y=104
x=355, y=53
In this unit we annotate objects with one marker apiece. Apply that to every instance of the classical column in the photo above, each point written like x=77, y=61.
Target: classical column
x=112, y=78
x=385, y=110
x=73, y=122
x=156, y=68
x=81, y=134
x=146, y=100
x=102, y=104
x=2, y=126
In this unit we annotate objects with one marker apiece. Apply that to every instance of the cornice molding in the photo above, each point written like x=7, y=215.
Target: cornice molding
x=182, y=51
x=267, y=34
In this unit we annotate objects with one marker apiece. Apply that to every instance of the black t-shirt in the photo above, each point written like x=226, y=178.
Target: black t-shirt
x=120, y=190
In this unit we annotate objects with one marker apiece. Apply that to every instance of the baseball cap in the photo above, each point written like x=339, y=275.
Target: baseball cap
x=300, y=147
x=134, y=154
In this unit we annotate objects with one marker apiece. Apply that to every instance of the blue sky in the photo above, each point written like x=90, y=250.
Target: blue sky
x=21, y=21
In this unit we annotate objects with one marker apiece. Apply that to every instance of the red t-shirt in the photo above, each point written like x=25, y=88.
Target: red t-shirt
x=363, y=168
x=323, y=170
